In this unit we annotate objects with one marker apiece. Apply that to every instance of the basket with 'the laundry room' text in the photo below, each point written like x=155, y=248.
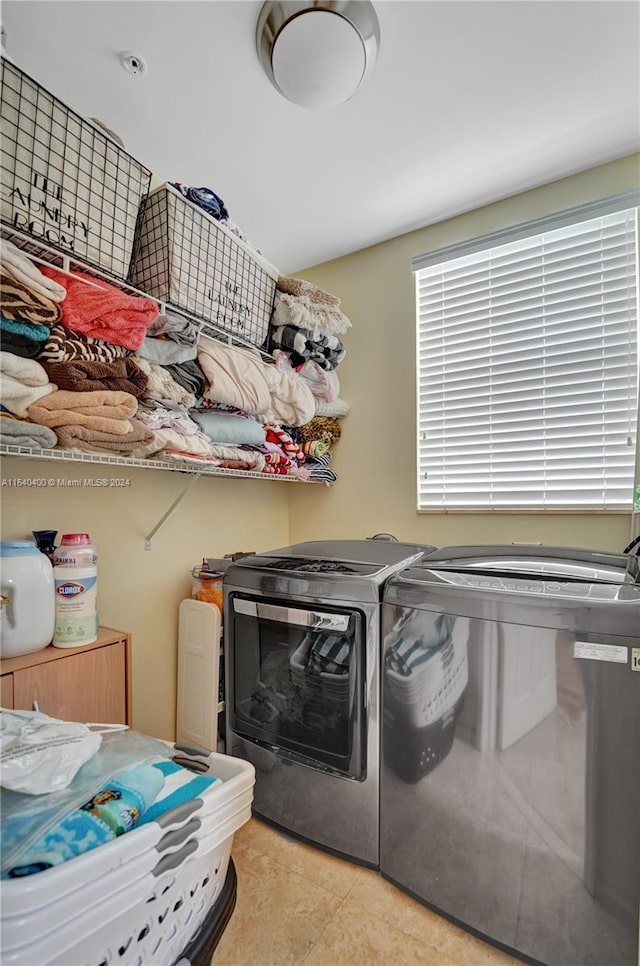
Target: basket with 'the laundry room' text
x=189, y=260
x=65, y=181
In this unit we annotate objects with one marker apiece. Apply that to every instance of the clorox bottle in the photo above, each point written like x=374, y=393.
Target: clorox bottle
x=75, y=574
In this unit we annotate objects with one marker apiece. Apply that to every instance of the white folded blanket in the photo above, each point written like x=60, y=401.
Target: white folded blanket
x=22, y=382
x=235, y=376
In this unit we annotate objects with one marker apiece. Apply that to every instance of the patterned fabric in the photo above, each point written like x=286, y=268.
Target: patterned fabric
x=319, y=470
x=303, y=344
x=300, y=286
x=19, y=302
x=320, y=428
x=330, y=653
x=276, y=434
x=338, y=408
x=63, y=345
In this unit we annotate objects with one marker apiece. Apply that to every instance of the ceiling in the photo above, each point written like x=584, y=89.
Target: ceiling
x=470, y=101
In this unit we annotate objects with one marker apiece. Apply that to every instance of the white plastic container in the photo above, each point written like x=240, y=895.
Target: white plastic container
x=75, y=574
x=28, y=600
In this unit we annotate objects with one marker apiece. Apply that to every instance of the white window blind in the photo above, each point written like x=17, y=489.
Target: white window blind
x=527, y=370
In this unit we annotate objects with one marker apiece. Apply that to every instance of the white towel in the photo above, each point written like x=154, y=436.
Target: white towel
x=22, y=382
x=22, y=268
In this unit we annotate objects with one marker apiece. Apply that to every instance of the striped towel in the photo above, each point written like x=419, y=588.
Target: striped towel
x=417, y=644
x=330, y=653
x=19, y=302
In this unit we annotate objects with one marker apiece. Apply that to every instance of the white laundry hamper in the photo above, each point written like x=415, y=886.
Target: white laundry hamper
x=141, y=898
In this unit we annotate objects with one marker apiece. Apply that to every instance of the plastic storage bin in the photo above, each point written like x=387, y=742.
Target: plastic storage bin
x=142, y=897
x=64, y=180
x=190, y=261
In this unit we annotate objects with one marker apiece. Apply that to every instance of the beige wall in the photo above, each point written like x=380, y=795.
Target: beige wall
x=139, y=590
x=375, y=458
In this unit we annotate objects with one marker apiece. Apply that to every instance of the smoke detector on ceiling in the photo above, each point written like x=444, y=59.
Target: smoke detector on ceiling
x=133, y=62
x=317, y=54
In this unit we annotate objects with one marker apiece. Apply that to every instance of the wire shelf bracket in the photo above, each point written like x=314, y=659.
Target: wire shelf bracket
x=167, y=514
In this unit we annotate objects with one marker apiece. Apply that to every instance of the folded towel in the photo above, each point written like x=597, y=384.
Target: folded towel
x=225, y=428
x=300, y=287
x=16, y=263
x=19, y=345
x=103, y=311
x=276, y=434
x=63, y=345
x=84, y=439
x=22, y=383
x=302, y=344
x=101, y=410
x=81, y=375
x=31, y=330
x=319, y=469
x=316, y=447
x=115, y=809
x=179, y=785
x=304, y=313
x=17, y=301
x=190, y=376
x=21, y=432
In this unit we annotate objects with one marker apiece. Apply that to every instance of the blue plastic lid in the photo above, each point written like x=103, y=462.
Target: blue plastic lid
x=18, y=548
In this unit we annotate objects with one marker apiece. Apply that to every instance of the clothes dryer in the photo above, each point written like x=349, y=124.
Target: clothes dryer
x=302, y=640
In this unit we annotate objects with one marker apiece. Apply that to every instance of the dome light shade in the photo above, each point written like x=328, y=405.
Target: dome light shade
x=317, y=61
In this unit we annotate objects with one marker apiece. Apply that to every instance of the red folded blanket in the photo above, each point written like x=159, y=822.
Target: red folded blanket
x=104, y=312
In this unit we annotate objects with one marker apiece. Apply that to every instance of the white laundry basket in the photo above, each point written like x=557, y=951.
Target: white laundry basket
x=141, y=898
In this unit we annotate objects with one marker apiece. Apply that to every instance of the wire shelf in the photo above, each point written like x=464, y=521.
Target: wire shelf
x=71, y=456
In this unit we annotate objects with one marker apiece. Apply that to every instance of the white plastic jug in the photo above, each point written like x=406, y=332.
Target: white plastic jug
x=28, y=600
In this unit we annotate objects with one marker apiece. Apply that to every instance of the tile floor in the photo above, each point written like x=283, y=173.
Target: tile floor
x=298, y=905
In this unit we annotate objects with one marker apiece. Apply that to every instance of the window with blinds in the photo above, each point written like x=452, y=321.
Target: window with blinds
x=527, y=367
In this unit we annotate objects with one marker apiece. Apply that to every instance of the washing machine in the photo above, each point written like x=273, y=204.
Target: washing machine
x=302, y=641
x=510, y=775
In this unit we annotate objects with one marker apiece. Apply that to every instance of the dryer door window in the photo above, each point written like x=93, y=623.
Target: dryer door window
x=298, y=682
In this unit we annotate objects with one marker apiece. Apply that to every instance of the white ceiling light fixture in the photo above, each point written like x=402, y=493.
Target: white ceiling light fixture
x=317, y=54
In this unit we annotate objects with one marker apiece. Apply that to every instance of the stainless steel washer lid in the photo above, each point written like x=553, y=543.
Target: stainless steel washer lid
x=345, y=570
x=549, y=587
x=380, y=553
x=571, y=562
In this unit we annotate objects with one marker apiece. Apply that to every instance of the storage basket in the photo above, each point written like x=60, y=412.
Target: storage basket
x=189, y=260
x=64, y=180
x=139, y=899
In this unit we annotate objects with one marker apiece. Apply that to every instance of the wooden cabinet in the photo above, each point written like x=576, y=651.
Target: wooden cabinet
x=90, y=683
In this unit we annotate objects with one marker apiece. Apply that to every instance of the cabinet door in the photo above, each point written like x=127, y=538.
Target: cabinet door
x=81, y=687
x=6, y=694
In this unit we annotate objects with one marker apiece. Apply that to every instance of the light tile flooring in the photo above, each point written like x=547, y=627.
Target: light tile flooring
x=298, y=905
